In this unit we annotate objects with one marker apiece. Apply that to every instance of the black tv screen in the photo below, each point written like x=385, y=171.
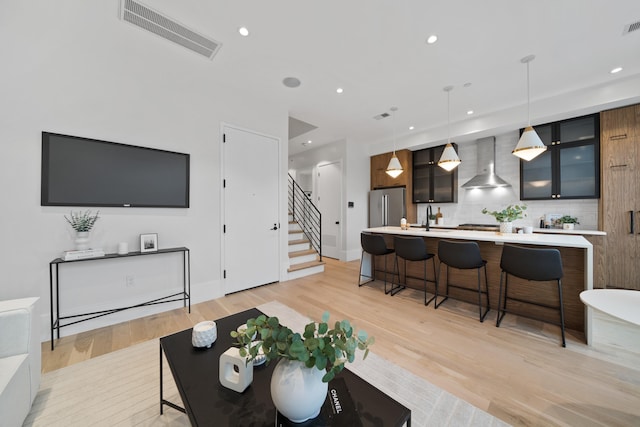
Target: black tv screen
x=87, y=172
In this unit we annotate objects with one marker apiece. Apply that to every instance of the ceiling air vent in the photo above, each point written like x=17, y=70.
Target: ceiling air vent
x=144, y=17
x=631, y=28
x=381, y=116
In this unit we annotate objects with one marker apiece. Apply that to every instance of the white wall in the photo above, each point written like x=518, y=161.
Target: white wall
x=75, y=68
x=355, y=186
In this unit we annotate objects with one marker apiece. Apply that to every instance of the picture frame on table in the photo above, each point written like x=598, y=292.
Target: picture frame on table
x=149, y=242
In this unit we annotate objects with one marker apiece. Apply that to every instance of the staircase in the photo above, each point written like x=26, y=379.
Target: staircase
x=303, y=259
x=305, y=241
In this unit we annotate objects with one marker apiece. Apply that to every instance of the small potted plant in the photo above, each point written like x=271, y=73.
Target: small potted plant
x=432, y=219
x=318, y=352
x=568, y=222
x=507, y=215
x=82, y=223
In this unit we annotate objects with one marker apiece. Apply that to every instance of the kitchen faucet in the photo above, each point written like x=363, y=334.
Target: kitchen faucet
x=429, y=213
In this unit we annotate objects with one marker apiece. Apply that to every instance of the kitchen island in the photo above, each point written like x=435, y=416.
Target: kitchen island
x=577, y=259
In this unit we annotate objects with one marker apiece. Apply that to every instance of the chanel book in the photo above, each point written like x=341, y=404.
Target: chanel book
x=338, y=410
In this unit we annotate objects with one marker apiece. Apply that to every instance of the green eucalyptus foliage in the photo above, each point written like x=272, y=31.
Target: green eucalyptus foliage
x=318, y=346
x=508, y=214
x=82, y=221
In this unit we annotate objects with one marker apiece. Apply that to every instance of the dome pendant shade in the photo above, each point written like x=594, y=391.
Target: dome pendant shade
x=530, y=145
x=394, y=169
x=449, y=159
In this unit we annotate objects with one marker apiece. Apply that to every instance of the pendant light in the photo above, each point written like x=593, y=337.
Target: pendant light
x=394, y=169
x=530, y=145
x=449, y=159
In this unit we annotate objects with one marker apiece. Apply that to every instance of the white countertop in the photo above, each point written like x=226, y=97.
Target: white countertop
x=574, y=231
x=559, y=240
x=578, y=232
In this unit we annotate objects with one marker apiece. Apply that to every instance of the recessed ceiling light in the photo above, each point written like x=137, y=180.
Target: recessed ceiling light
x=432, y=39
x=470, y=112
x=243, y=31
x=309, y=141
x=339, y=90
x=616, y=70
x=291, y=82
x=411, y=128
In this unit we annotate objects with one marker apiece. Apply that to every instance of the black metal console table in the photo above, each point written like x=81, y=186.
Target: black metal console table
x=56, y=321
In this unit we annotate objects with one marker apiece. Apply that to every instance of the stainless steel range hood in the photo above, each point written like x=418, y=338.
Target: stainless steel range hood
x=485, y=172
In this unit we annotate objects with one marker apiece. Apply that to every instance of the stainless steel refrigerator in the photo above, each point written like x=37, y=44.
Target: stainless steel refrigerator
x=387, y=207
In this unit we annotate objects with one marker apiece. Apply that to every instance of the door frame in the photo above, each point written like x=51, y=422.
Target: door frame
x=222, y=199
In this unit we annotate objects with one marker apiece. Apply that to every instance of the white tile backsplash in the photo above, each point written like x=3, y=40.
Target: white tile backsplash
x=471, y=202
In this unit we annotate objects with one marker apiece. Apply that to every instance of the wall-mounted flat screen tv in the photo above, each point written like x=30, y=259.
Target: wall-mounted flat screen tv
x=87, y=172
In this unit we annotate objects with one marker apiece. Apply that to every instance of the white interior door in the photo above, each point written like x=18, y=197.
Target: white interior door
x=251, y=253
x=329, y=203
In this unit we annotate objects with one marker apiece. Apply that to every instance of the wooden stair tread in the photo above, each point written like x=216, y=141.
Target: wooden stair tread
x=297, y=242
x=304, y=265
x=302, y=253
x=295, y=231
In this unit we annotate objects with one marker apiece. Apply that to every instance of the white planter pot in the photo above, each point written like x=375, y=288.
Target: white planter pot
x=297, y=391
x=506, y=227
x=567, y=226
x=82, y=240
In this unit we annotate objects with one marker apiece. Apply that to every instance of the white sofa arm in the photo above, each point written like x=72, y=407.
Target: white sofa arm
x=18, y=327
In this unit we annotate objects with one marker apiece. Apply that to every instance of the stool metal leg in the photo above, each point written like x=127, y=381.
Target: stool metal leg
x=564, y=344
x=446, y=292
x=482, y=316
x=502, y=306
x=396, y=288
x=373, y=269
x=435, y=278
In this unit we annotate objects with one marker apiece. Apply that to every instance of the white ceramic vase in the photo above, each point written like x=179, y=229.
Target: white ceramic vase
x=506, y=227
x=297, y=391
x=568, y=226
x=82, y=240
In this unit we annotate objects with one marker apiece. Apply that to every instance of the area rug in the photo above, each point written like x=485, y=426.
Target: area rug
x=122, y=389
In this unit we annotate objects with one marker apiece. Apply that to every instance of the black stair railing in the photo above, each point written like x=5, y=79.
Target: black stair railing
x=306, y=214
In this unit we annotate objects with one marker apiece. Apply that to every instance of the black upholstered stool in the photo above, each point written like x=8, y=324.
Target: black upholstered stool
x=535, y=265
x=463, y=256
x=374, y=245
x=412, y=249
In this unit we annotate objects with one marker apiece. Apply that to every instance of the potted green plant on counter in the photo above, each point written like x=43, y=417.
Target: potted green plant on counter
x=319, y=353
x=568, y=222
x=507, y=215
x=82, y=223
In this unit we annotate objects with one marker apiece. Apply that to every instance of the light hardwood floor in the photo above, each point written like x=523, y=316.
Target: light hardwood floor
x=518, y=372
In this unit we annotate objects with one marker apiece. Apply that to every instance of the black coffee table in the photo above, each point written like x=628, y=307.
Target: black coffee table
x=208, y=403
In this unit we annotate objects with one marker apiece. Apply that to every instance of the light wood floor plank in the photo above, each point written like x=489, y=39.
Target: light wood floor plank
x=518, y=372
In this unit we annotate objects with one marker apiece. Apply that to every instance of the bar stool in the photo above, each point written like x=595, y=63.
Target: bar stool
x=531, y=264
x=374, y=245
x=412, y=249
x=463, y=256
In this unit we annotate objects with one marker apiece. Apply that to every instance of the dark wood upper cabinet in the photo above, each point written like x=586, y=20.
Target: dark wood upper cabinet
x=431, y=183
x=570, y=168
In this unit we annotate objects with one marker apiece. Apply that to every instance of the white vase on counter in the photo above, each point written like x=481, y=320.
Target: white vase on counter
x=82, y=240
x=506, y=227
x=568, y=226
